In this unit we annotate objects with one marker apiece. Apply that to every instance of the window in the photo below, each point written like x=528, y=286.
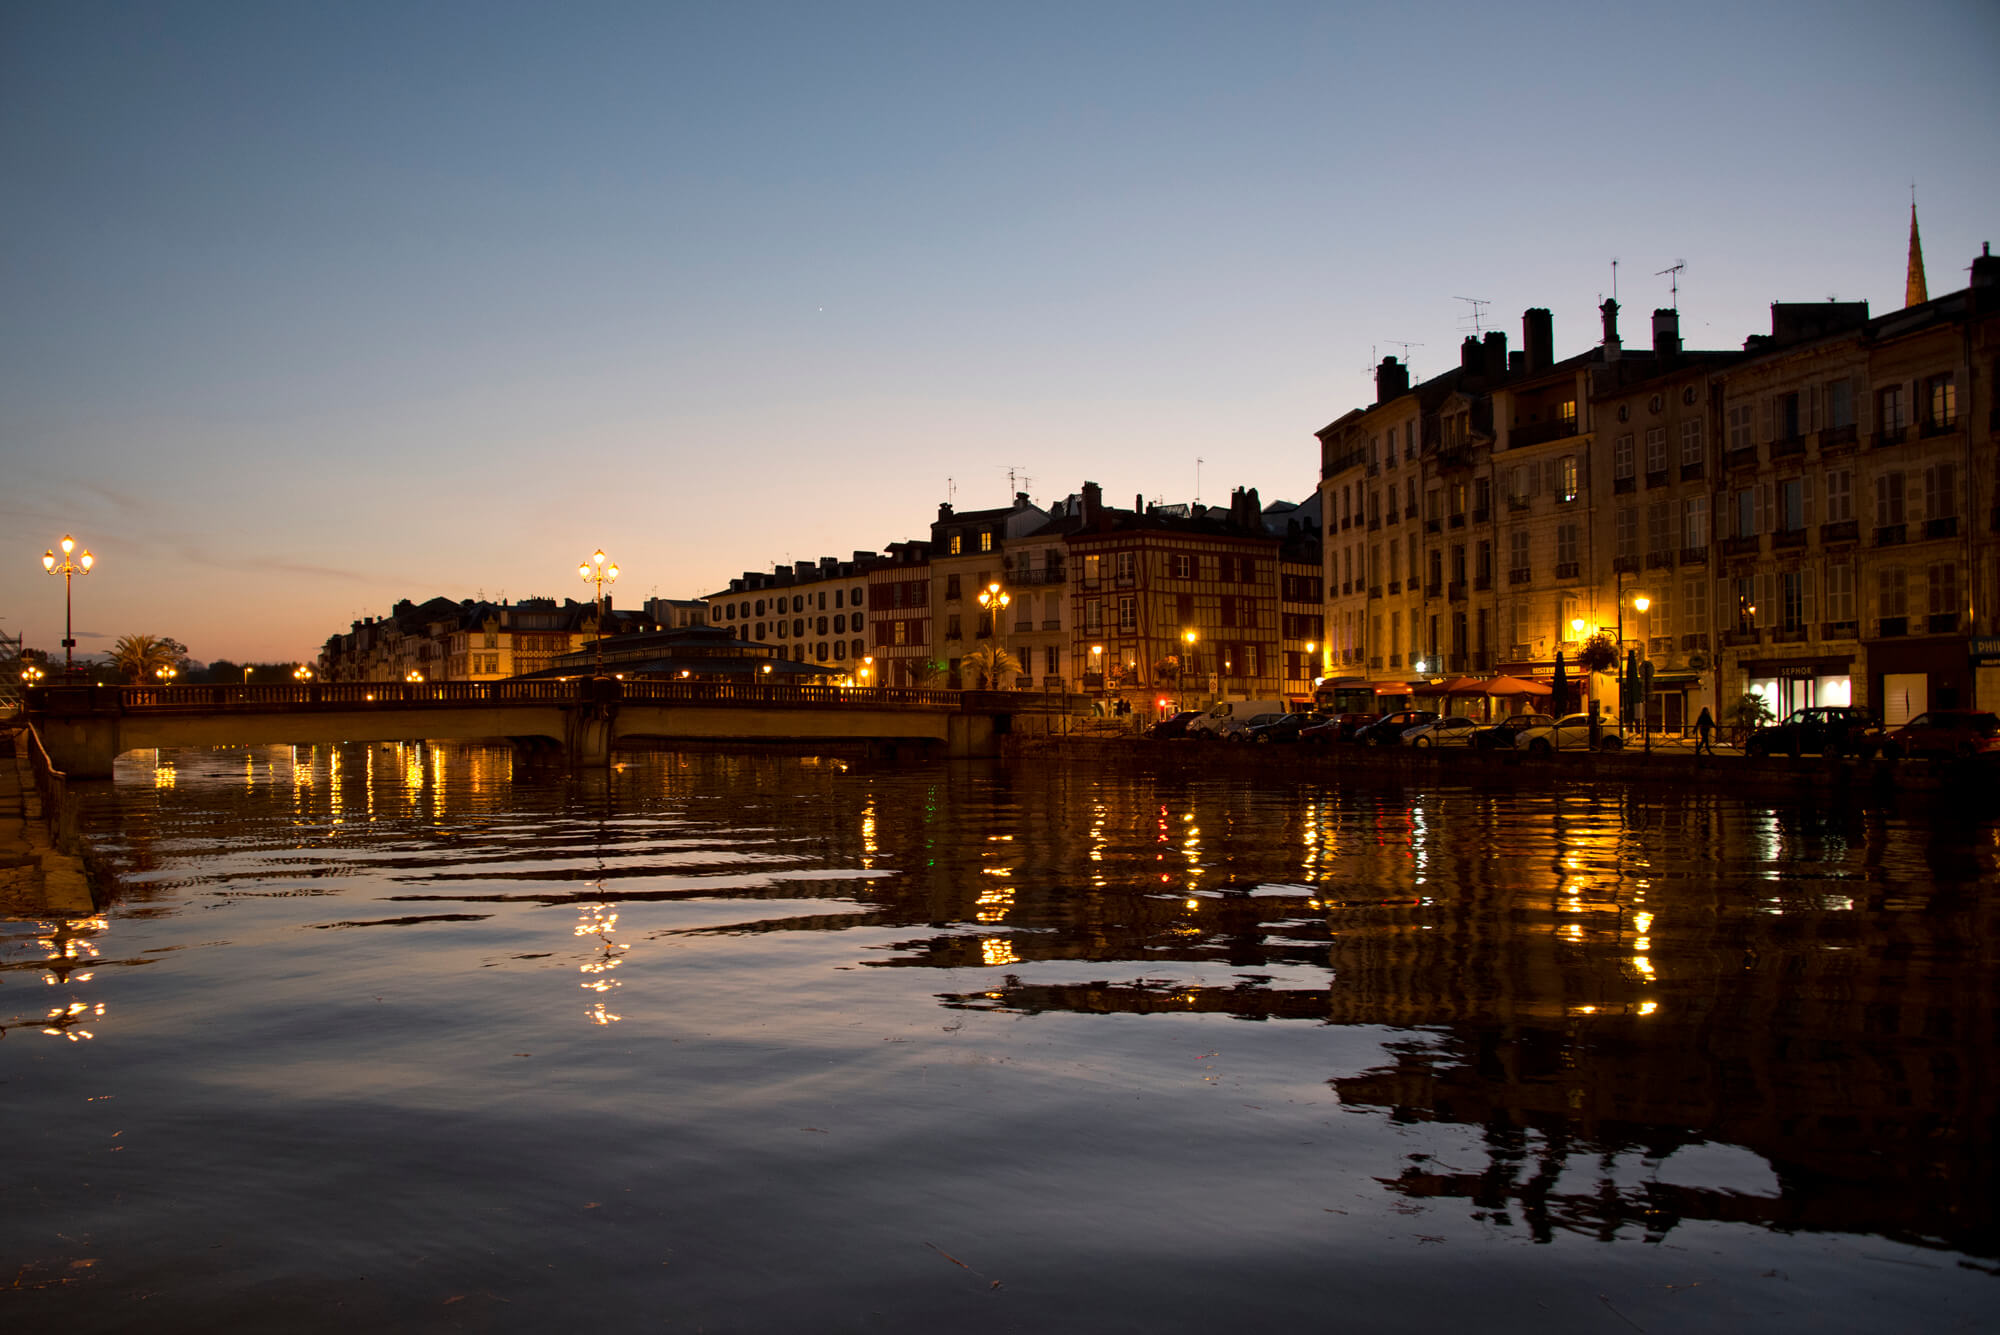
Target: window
x=951, y=589
x=986, y=540
x=1792, y=497
x=1889, y=501
x=1566, y=413
x=1694, y=604
x=1458, y=563
x=1567, y=479
x=821, y=628
x=1694, y=523
x=1656, y=449
x=840, y=648
x=1413, y=561
x=953, y=630
x=1940, y=401
x=1791, y=600
x=1890, y=417
x=1660, y=526
x=1940, y=492
x=1517, y=483
x=1628, y=532
x=1396, y=555
x=900, y=633
x=1746, y=512
x=1690, y=442
x=1123, y=565
x=1785, y=416
x=1093, y=571
x=1093, y=616
x=1839, y=496
x=1740, y=420
x=1568, y=609
x=840, y=625
x=1458, y=500
x=1437, y=567
x=1839, y=409
x=1891, y=592
x=839, y=597
x=1183, y=566
x=957, y=543
x=1944, y=587
x=1565, y=544
x=1433, y=509
x=1517, y=555
x=1840, y=591
x=1483, y=563
x=1482, y=496
x=1128, y=613
x=1621, y=458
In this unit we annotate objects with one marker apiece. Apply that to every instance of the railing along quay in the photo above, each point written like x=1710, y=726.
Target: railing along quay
x=59, y=805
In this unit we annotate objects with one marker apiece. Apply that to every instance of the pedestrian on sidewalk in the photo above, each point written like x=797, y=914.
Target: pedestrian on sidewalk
x=1704, y=732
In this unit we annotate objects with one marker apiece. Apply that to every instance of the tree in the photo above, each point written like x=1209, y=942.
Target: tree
x=1751, y=711
x=929, y=672
x=992, y=662
x=137, y=657
x=1168, y=669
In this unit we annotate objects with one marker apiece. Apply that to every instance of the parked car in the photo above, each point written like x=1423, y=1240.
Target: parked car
x=1500, y=736
x=1228, y=715
x=1830, y=730
x=1239, y=730
x=1570, y=733
x=1283, y=730
x=1337, y=728
x=1452, y=730
x=1176, y=726
x=1388, y=730
x=1940, y=733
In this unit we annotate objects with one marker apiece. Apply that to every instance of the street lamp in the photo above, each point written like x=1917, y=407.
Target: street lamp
x=414, y=677
x=1188, y=638
x=80, y=566
x=597, y=574
x=32, y=675
x=166, y=674
x=993, y=601
x=302, y=673
x=867, y=668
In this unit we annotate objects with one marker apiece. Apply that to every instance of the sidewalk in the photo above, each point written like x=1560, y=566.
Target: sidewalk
x=35, y=880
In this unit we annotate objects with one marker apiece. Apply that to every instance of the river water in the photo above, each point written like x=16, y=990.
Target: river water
x=420, y=1037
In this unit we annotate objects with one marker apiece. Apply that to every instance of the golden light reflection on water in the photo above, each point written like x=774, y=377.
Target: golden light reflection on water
x=600, y=921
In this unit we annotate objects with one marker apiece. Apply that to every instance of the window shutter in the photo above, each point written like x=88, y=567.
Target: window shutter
x=1806, y=514
x=1810, y=611
x=1761, y=521
x=1770, y=417
x=1809, y=410
x=1914, y=498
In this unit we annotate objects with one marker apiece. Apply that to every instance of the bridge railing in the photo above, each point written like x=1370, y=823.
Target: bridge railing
x=205, y=699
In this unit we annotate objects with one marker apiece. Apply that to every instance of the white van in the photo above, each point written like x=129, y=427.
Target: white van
x=1232, y=716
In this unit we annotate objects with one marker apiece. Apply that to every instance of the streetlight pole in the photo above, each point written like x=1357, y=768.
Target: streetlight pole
x=993, y=601
x=80, y=566
x=598, y=574
x=1188, y=638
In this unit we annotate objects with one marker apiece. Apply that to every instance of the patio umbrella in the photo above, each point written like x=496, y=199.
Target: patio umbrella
x=1504, y=685
x=1391, y=688
x=1559, y=689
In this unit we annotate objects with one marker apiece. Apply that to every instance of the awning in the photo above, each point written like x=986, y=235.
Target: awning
x=1392, y=688
x=1504, y=685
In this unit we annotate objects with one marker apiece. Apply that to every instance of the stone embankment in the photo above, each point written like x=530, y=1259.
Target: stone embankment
x=37, y=878
x=1729, y=771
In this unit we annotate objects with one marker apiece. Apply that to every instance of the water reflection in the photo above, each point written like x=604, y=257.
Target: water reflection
x=1631, y=1008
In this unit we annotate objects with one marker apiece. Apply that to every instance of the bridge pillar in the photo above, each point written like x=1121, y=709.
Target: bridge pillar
x=971, y=736
x=82, y=746
x=587, y=734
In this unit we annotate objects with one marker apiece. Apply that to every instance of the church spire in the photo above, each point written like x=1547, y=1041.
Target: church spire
x=1915, y=293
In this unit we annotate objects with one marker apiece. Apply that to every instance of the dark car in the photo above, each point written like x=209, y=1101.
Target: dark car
x=1284, y=730
x=1177, y=726
x=1388, y=730
x=1500, y=736
x=1831, y=730
x=1336, y=728
x=1940, y=733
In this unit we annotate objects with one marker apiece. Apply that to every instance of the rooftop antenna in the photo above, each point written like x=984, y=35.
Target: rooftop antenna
x=951, y=491
x=1672, y=273
x=1614, y=278
x=1478, y=316
x=1018, y=480
x=1197, y=479
x=1405, y=346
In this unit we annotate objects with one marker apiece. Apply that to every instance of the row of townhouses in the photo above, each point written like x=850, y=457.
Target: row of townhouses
x=1813, y=517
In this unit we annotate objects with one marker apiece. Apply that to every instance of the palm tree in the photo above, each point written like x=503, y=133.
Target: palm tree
x=137, y=656
x=992, y=662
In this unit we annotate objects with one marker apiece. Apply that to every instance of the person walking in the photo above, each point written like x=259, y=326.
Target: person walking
x=1704, y=732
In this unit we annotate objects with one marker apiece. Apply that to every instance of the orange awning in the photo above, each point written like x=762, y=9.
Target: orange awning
x=1515, y=686
x=1392, y=688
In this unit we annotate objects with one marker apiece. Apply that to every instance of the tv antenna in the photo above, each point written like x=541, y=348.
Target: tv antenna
x=1197, y=479
x=950, y=491
x=1478, y=316
x=1672, y=273
x=1025, y=483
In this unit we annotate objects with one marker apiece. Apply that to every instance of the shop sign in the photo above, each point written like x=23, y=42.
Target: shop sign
x=1986, y=649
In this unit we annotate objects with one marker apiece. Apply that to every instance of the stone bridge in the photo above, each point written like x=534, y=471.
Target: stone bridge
x=86, y=728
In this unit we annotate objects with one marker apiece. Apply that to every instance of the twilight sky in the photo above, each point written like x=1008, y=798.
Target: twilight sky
x=308, y=307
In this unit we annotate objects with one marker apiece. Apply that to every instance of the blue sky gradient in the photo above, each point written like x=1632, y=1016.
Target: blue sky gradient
x=305, y=308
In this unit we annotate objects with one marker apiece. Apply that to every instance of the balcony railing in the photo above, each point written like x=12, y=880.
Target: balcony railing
x=1694, y=556
x=1789, y=635
x=1568, y=569
x=1481, y=583
x=1743, y=456
x=1658, y=479
x=1890, y=627
x=1622, y=486
x=1892, y=535
x=1939, y=428
x=1520, y=575
x=1517, y=504
x=1892, y=436
x=1395, y=587
x=1659, y=560
x=1840, y=630
x=1836, y=438
x=1433, y=589
x=1481, y=513
x=1375, y=524
x=1629, y=564
x=1749, y=546
x=1455, y=592
x=1689, y=472
x=1698, y=640
x=1942, y=623
x=1539, y=433
x=1738, y=638
x=1458, y=521
x=1433, y=526
x=1841, y=530
x=1790, y=537
x=1944, y=527
x=1788, y=447
x=1374, y=590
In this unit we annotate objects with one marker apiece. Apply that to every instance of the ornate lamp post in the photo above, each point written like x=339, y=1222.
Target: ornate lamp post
x=167, y=674
x=32, y=675
x=597, y=574
x=302, y=674
x=1188, y=638
x=414, y=677
x=993, y=601
x=80, y=566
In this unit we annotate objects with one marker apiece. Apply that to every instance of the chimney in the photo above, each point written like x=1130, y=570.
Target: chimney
x=944, y=511
x=803, y=569
x=1496, y=354
x=1986, y=269
x=1020, y=500
x=1666, y=334
x=1517, y=362
x=1138, y=502
x=1471, y=356
x=1538, y=339
x=1609, y=310
x=1093, y=504
x=1392, y=380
